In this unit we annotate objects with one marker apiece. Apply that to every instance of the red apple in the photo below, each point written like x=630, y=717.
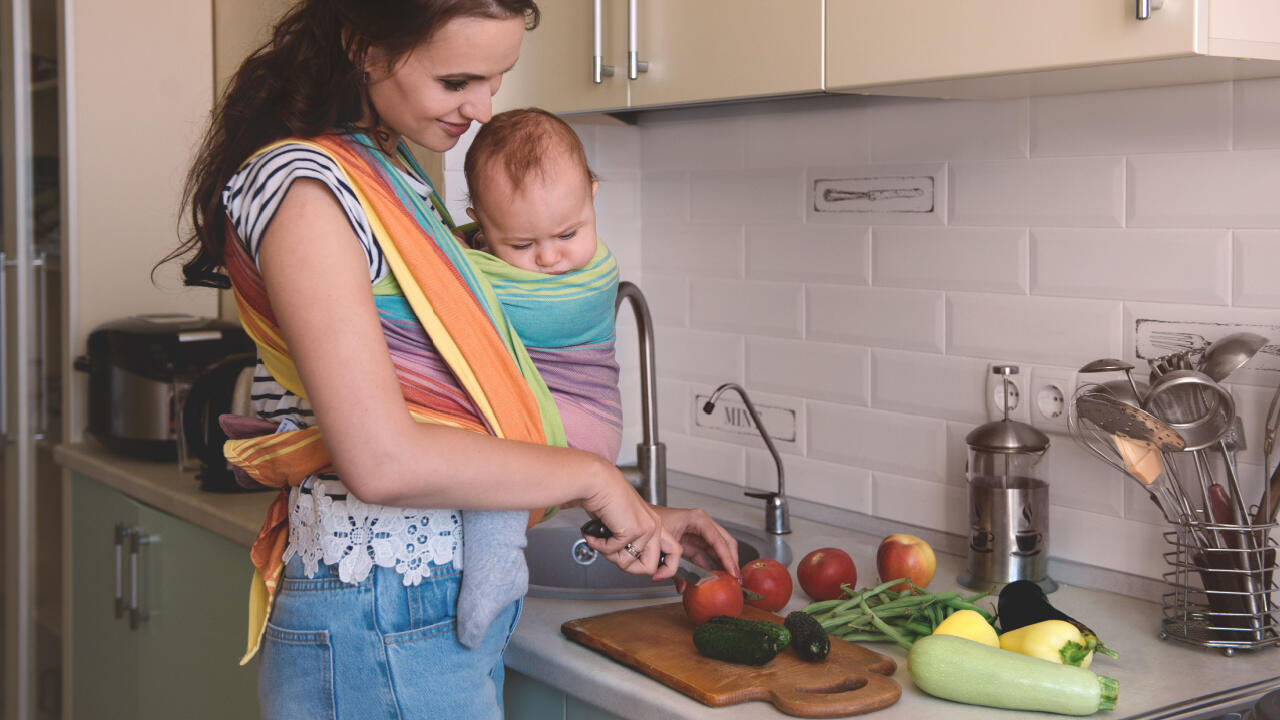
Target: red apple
x=905, y=556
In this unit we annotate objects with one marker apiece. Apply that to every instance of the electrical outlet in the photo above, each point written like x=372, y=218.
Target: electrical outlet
x=1050, y=391
x=995, y=394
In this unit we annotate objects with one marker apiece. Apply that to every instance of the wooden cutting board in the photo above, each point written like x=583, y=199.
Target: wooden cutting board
x=657, y=640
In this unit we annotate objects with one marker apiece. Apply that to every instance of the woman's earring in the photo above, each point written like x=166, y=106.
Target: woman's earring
x=364, y=78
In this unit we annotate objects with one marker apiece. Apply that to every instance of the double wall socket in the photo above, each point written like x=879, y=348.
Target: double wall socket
x=1038, y=395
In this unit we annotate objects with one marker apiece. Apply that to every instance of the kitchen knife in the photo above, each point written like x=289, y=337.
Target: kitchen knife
x=686, y=570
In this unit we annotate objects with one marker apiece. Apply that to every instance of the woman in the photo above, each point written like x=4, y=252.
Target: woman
x=323, y=236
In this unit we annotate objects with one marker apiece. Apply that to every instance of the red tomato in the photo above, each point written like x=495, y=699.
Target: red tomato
x=822, y=571
x=769, y=578
x=721, y=595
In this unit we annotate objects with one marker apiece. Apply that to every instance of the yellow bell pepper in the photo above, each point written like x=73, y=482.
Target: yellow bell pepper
x=1053, y=640
x=969, y=625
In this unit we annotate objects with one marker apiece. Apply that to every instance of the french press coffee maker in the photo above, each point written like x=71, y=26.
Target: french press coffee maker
x=1008, y=502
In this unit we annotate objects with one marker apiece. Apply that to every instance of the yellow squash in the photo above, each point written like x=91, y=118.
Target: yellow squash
x=1053, y=640
x=970, y=626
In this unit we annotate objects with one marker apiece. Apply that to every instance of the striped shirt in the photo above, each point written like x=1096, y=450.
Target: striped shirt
x=252, y=197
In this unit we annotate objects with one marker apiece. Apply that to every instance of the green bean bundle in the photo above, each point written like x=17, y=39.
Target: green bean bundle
x=880, y=614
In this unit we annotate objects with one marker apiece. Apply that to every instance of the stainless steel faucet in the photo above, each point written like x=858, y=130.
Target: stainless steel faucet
x=777, y=518
x=650, y=475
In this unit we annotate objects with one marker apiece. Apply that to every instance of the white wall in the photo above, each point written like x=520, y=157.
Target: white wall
x=1059, y=223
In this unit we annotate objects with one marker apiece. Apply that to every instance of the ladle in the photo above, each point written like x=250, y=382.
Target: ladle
x=1229, y=353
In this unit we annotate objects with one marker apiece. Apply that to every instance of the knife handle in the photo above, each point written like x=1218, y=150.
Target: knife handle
x=596, y=528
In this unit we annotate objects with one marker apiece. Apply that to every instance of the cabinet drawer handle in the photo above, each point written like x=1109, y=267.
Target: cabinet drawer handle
x=120, y=534
x=635, y=65
x=1144, y=8
x=599, y=70
x=137, y=614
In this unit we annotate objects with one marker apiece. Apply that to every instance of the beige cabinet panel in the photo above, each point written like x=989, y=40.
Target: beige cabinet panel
x=554, y=70
x=727, y=49
x=993, y=48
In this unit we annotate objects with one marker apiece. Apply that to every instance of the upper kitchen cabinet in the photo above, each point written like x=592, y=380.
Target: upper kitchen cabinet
x=1010, y=48
x=555, y=70
x=707, y=51
x=726, y=50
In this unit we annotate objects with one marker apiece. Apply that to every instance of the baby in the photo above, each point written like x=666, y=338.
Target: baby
x=535, y=241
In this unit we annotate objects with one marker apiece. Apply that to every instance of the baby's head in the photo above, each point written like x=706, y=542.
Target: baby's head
x=532, y=192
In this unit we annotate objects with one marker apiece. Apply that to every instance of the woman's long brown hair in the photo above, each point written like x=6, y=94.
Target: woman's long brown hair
x=303, y=83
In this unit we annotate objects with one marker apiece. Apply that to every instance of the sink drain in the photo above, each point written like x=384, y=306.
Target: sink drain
x=582, y=553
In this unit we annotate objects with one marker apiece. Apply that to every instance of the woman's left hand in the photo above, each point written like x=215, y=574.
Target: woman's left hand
x=699, y=534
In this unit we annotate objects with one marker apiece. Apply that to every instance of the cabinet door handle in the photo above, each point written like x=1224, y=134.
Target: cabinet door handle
x=599, y=70
x=635, y=65
x=120, y=534
x=137, y=613
x=1144, y=8
x=5, y=264
x=41, y=264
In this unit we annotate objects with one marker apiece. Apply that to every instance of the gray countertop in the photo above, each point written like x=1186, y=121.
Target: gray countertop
x=1153, y=674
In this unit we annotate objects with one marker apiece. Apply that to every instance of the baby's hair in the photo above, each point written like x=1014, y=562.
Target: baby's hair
x=520, y=142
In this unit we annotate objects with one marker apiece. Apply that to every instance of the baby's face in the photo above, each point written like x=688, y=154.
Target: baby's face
x=549, y=226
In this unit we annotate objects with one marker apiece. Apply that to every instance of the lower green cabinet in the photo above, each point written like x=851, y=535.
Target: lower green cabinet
x=527, y=699
x=158, y=614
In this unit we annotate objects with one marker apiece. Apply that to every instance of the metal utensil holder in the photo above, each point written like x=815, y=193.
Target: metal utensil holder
x=1221, y=596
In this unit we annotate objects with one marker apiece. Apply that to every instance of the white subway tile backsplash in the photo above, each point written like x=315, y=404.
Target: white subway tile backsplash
x=698, y=356
x=690, y=145
x=1074, y=192
x=919, y=502
x=841, y=486
x=1155, y=265
x=1178, y=118
x=616, y=148
x=673, y=413
x=1227, y=189
x=809, y=137
x=940, y=386
x=958, y=453
x=618, y=197
x=1257, y=113
x=1054, y=331
x=745, y=196
x=664, y=198
x=703, y=250
x=877, y=440
x=1106, y=541
x=905, y=319
x=975, y=259
x=759, y=308
x=1137, y=503
x=808, y=253
x=706, y=458
x=908, y=129
x=1078, y=479
x=667, y=297
x=1256, y=268
x=821, y=371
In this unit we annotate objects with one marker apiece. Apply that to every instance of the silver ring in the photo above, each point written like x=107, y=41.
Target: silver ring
x=632, y=549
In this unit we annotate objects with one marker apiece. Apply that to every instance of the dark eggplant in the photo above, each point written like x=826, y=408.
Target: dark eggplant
x=1023, y=603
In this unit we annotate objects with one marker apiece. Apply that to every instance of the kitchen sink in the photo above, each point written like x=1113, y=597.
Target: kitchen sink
x=562, y=566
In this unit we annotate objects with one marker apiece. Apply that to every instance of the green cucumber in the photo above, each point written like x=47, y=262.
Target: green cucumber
x=808, y=636
x=735, y=645
x=957, y=669
x=781, y=635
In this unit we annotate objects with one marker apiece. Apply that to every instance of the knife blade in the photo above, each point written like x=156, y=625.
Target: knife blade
x=685, y=570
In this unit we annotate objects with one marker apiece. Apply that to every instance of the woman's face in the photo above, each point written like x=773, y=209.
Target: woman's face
x=433, y=94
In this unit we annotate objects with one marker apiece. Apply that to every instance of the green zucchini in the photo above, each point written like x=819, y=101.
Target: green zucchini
x=957, y=669
x=808, y=636
x=735, y=645
x=781, y=635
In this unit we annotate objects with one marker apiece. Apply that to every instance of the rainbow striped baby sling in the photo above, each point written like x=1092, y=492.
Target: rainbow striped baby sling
x=447, y=314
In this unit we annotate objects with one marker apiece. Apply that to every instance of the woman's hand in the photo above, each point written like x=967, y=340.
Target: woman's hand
x=635, y=524
x=701, y=537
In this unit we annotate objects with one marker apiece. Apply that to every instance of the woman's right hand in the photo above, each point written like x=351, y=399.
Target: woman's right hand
x=633, y=523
